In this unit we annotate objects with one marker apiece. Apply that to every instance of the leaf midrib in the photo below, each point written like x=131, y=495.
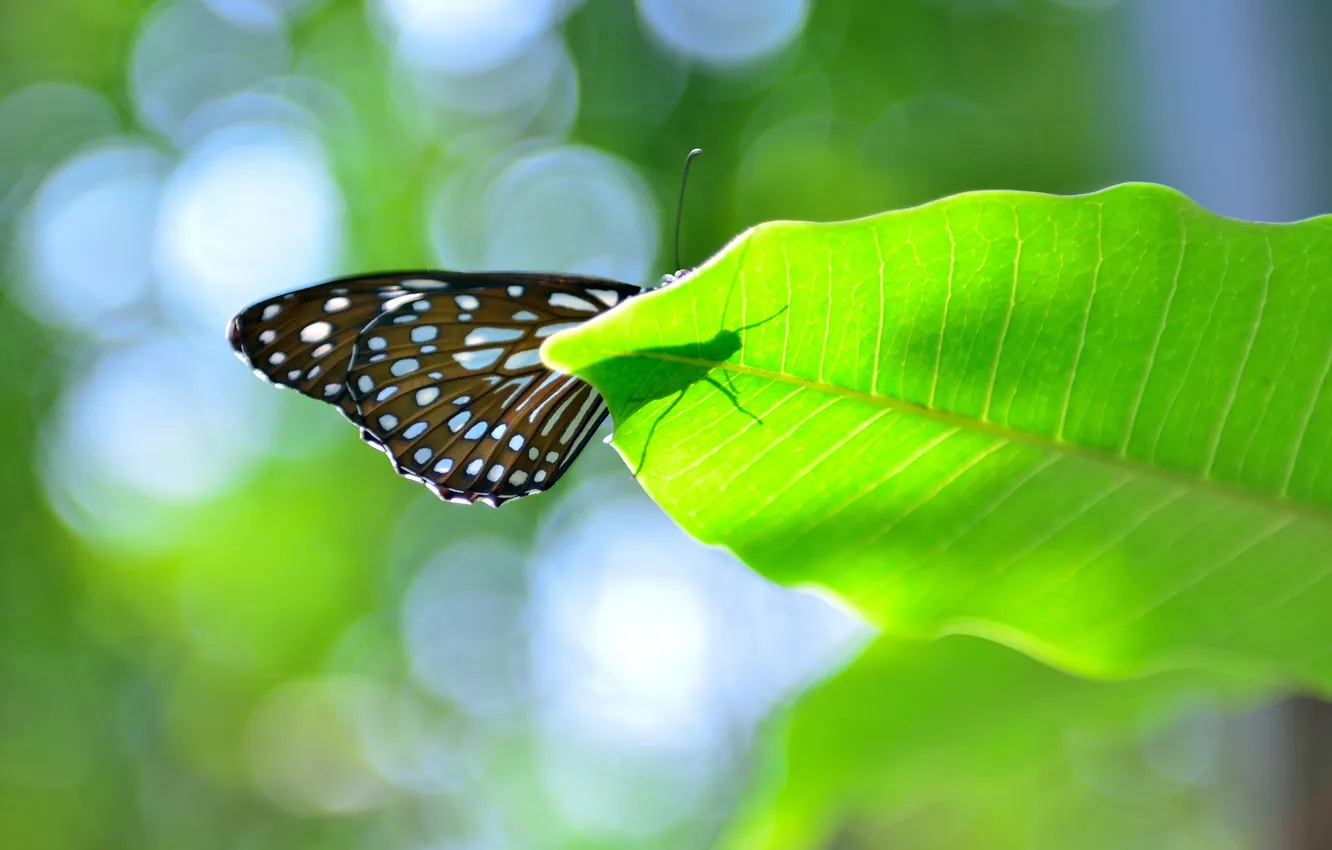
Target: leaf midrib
x=1045, y=444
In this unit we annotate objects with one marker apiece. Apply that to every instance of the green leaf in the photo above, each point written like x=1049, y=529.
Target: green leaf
x=1094, y=428
x=972, y=736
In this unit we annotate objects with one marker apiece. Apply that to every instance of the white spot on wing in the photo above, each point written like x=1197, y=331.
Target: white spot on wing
x=559, y=391
x=477, y=431
x=518, y=384
x=269, y=335
x=276, y=358
x=518, y=478
x=426, y=396
x=523, y=360
x=550, y=377
x=458, y=420
x=316, y=332
x=474, y=467
x=388, y=422
x=365, y=384
x=444, y=465
x=467, y=302
x=377, y=343
x=578, y=419
x=415, y=430
x=405, y=366
x=496, y=472
x=479, y=359
x=337, y=304
x=486, y=336
x=399, y=300
x=516, y=291
x=270, y=311
x=422, y=455
x=556, y=416
x=321, y=350
x=386, y=393
x=540, y=476
x=572, y=302
x=424, y=333
x=525, y=316
x=592, y=422
x=516, y=442
x=609, y=297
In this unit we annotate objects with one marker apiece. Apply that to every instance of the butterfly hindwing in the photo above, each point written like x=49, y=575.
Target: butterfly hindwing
x=450, y=384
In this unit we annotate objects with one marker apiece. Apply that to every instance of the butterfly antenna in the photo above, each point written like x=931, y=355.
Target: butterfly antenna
x=679, y=207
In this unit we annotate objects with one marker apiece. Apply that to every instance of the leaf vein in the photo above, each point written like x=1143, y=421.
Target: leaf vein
x=1086, y=319
x=1233, y=390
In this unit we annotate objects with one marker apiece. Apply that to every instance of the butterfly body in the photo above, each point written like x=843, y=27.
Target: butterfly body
x=440, y=370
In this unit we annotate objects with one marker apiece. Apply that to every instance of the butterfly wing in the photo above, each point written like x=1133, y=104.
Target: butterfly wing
x=450, y=383
x=303, y=339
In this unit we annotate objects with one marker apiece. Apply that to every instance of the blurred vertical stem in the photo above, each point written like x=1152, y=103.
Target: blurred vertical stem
x=1248, y=142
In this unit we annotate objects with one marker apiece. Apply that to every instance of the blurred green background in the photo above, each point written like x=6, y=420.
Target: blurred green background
x=225, y=623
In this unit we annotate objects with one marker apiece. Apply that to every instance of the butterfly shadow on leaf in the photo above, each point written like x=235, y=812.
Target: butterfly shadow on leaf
x=675, y=369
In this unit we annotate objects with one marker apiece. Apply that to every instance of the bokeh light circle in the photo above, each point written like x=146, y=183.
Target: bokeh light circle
x=90, y=235
x=559, y=209
x=640, y=633
x=304, y=750
x=733, y=33
x=44, y=124
x=513, y=92
x=165, y=417
x=465, y=37
x=464, y=627
x=414, y=742
x=186, y=56
x=656, y=658
x=262, y=14
x=252, y=211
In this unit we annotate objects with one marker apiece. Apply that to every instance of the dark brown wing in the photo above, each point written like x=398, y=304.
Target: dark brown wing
x=303, y=339
x=451, y=386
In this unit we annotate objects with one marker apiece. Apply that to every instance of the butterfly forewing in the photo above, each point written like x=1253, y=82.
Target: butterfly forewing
x=450, y=383
x=303, y=339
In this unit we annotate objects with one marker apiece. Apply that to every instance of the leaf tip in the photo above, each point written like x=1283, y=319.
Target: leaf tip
x=560, y=351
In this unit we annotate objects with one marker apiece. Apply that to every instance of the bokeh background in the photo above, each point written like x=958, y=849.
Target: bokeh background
x=225, y=623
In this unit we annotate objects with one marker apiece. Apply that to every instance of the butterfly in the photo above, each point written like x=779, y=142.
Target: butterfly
x=440, y=370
